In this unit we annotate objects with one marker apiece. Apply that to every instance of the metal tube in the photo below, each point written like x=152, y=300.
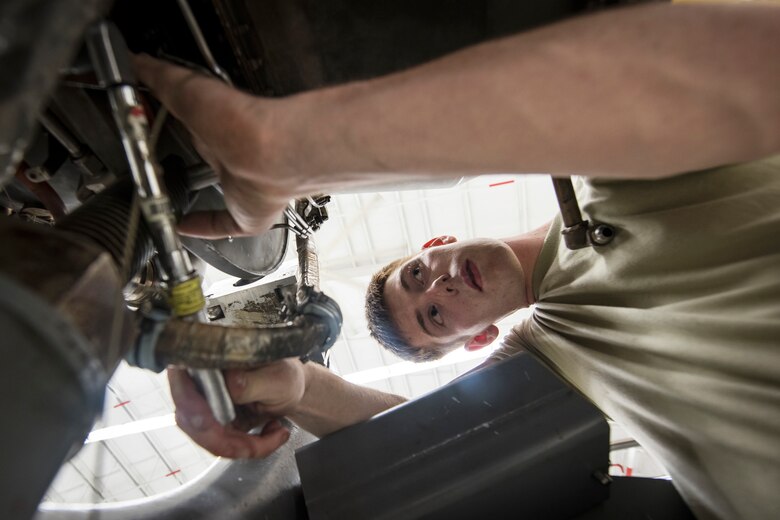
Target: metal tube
x=567, y=201
x=202, y=345
x=575, y=232
x=296, y=223
x=213, y=386
x=110, y=56
x=153, y=198
x=200, y=40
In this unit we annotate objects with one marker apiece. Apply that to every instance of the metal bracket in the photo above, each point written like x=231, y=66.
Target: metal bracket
x=325, y=308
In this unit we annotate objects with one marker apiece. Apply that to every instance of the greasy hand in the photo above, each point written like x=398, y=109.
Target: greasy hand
x=227, y=127
x=267, y=392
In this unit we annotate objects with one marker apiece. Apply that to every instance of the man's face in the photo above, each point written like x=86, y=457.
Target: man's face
x=449, y=292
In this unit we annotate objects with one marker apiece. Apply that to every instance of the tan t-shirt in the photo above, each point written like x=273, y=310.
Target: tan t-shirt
x=673, y=329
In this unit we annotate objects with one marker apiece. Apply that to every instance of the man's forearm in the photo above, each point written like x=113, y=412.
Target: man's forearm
x=330, y=403
x=637, y=92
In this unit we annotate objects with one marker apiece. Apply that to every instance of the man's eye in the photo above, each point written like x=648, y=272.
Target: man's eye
x=417, y=273
x=436, y=316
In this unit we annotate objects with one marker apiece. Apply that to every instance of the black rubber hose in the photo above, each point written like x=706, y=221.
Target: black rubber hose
x=105, y=219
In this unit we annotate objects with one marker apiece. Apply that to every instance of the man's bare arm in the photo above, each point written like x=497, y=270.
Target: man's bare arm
x=332, y=403
x=319, y=401
x=636, y=92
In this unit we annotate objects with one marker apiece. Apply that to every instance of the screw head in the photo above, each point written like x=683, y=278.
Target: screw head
x=602, y=234
x=37, y=174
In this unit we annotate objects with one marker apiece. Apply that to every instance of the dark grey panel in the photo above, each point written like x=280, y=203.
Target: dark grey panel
x=511, y=437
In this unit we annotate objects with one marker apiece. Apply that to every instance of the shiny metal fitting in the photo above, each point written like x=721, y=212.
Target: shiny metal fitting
x=602, y=234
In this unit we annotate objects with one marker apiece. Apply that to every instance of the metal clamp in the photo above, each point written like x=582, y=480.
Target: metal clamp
x=325, y=308
x=578, y=233
x=142, y=354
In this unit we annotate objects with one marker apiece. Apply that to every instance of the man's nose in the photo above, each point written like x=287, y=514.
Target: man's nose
x=445, y=285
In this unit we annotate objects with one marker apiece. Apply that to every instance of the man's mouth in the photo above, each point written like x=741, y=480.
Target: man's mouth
x=471, y=276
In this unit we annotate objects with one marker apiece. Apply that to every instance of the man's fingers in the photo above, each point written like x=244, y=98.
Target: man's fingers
x=193, y=413
x=167, y=81
x=244, y=384
x=226, y=128
x=185, y=394
x=227, y=441
x=222, y=223
x=210, y=224
x=265, y=385
x=177, y=88
x=273, y=388
x=272, y=426
x=209, y=108
x=268, y=441
x=194, y=417
x=208, y=156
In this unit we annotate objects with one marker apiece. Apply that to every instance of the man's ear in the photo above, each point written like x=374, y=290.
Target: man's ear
x=439, y=241
x=483, y=339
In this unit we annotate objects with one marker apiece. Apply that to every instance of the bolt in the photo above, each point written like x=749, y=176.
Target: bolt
x=215, y=313
x=603, y=478
x=37, y=174
x=602, y=234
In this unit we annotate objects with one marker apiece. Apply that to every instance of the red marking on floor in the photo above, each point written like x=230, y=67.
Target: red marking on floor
x=629, y=471
x=172, y=473
x=499, y=183
x=121, y=404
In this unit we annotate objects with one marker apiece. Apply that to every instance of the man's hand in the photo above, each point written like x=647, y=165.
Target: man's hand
x=228, y=131
x=275, y=389
x=265, y=393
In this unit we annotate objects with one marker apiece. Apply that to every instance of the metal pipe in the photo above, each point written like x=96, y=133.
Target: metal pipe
x=575, y=232
x=111, y=59
x=110, y=56
x=208, y=346
x=212, y=385
x=153, y=198
x=567, y=201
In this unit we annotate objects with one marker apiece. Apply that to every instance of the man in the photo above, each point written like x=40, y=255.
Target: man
x=450, y=296
x=637, y=93
x=672, y=329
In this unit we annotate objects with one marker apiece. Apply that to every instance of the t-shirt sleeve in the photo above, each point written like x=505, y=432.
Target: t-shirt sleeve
x=513, y=343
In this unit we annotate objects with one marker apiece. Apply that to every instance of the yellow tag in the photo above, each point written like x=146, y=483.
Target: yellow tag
x=187, y=297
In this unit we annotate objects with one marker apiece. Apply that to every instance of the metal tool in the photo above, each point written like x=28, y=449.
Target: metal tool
x=200, y=40
x=111, y=60
x=202, y=177
x=578, y=233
